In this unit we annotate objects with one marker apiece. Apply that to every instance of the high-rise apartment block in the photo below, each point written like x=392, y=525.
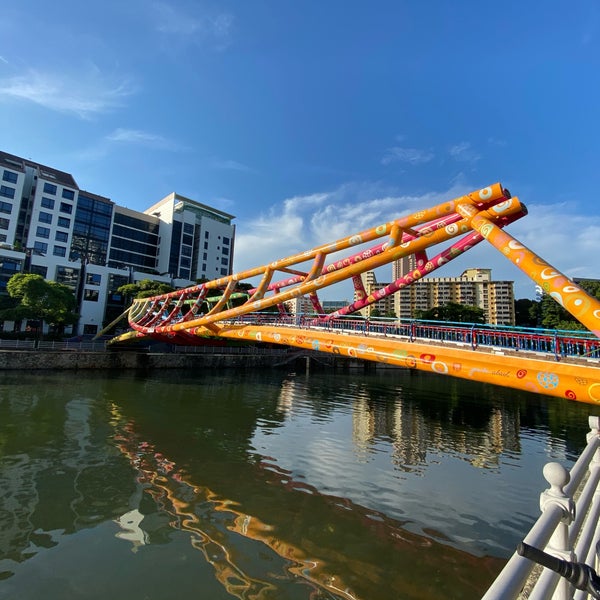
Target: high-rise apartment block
x=51, y=227
x=474, y=287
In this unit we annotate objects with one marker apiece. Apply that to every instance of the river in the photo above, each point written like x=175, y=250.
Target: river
x=269, y=484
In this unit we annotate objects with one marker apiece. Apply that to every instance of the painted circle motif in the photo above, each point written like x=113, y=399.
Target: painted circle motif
x=521, y=373
x=486, y=230
x=351, y=352
x=315, y=345
x=503, y=206
x=485, y=193
x=571, y=395
x=594, y=392
x=439, y=367
x=428, y=358
x=451, y=229
x=547, y=380
x=381, y=229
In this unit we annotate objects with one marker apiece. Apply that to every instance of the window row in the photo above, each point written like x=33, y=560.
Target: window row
x=50, y=188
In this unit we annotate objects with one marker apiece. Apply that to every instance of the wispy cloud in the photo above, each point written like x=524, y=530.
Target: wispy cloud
x=2, y=59
x=412, y=156
x=464, y=152
x=213, y=29
x=84, y=94
x=231, y=165
x=134, y=136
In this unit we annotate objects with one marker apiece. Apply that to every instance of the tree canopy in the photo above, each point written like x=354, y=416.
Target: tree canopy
x=37, y=298
x=145, y=288
x=458, y=313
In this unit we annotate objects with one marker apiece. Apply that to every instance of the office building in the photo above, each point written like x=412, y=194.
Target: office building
x=51, y=227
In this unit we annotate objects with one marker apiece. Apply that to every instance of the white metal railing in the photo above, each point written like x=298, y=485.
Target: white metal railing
x=567, y=528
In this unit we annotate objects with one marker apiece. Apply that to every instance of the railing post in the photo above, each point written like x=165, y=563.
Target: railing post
x=557, y=476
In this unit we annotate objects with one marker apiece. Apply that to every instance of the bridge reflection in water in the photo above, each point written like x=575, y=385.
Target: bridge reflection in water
x=326, y=486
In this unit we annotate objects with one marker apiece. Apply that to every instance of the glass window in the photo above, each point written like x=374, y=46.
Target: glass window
x=43, y=232
x=188, y=239
x=186, y=262
x=40, y=247
x=66, y=208
x=225, y=251
x=49, y=188
x=4, y=223
x=206, y=245
x=68, y=194
x=61, y=236
x=5, y=207
x=206, y=235
x=90, y=329
x=59, y=251
x=93, y=278
x=91, y=295
x=45, y=217
x=64, y=222
x=224, y=261
x=67, y=275
x=48, y=203
x=226, y=240
x=188, y=228
x=186, y=251
x=224, y=272
x=6, y=191
x=39, y=270
x=10, y=177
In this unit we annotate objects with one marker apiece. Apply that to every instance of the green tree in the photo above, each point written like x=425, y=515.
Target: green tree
x=145, y=288
x=46, y=301
x=527, y=312
x=458, y=313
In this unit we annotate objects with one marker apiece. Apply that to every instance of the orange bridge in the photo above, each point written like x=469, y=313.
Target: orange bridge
x=226, y=307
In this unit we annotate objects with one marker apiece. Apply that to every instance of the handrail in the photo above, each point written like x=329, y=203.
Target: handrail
x=567, y=528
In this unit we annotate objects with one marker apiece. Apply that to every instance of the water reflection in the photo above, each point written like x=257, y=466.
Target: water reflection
x=295, y=486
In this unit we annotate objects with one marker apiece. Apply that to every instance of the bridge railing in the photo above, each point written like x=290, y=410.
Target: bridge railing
x=567, y=528
x=560, y=343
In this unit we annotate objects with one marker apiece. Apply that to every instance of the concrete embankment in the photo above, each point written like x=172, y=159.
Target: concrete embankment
x=76, y=360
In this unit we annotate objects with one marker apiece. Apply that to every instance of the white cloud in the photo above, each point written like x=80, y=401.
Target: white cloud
x=215, y=29
x=412, y=156
x=464, y=152
x=82, y=94
x=231, y=165
x=134, y=136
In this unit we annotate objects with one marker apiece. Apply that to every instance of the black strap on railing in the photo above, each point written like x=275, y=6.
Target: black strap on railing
x=580, y=575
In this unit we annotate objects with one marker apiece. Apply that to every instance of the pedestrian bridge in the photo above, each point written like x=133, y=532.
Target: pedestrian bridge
x=251, y=305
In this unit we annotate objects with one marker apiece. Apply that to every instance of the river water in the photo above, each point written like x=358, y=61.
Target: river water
x=264, y=485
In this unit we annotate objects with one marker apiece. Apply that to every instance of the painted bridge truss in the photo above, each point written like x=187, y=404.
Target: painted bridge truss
x=217, y=308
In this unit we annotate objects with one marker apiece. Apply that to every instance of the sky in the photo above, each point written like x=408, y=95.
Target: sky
x=312, y=120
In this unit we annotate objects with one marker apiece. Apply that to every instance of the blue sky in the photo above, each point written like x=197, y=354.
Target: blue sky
x=311, y=120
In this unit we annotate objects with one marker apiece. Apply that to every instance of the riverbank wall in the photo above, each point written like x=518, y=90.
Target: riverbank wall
x=80, y=360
